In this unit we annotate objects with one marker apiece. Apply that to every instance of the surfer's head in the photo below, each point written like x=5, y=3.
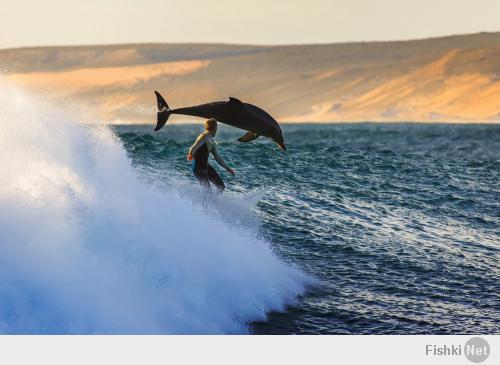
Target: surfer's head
x=211, y=126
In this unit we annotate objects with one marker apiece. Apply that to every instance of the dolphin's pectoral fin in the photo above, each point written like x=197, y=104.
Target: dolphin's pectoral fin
x=234, y=100
x=247, y=137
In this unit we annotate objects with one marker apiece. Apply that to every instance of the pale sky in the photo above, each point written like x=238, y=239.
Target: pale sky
x=70, y=22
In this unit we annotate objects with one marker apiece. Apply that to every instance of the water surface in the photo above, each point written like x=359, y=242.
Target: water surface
x=399, y=222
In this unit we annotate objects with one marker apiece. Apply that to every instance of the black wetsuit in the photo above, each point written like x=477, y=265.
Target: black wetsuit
x=202, y=169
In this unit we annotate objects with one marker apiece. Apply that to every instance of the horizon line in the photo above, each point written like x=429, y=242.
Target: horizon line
x=119, y=44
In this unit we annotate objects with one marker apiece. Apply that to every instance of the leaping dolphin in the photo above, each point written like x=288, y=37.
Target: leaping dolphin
x=233, y=112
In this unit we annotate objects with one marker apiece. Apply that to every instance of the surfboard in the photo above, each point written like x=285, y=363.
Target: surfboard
x=255, y=196
x=246, y=200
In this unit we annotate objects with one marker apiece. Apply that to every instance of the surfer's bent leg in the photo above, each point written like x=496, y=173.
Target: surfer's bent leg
x=201, y=176
x=215, y=179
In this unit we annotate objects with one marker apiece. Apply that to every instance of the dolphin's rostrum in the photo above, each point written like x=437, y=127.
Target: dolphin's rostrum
x=233, y=112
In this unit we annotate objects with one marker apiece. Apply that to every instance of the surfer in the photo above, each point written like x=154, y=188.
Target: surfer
x=198, y=153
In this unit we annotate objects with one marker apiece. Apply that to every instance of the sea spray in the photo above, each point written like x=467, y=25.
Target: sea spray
x=88, y=247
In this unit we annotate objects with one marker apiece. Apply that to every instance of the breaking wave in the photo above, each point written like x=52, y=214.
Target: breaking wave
x=86, y=246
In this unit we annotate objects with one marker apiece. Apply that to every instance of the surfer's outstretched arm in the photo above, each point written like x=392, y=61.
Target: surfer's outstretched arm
x=220, y=161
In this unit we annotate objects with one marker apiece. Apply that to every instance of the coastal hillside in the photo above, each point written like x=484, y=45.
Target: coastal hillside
x=448, y=79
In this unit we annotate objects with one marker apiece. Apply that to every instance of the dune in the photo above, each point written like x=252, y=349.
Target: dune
x=91, y=78
x=447, y=79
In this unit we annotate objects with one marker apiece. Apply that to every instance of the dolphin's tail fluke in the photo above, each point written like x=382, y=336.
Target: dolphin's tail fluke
x=163, y=112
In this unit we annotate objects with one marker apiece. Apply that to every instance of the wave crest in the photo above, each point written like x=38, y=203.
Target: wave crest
x=88, y=247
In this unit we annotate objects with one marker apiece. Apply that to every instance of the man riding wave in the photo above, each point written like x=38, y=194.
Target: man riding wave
x=198, y=153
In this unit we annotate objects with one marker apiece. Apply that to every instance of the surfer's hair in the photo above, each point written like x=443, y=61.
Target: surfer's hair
x=210, y=124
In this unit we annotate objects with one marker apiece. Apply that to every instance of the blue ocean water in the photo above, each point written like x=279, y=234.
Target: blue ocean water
x=400, y=223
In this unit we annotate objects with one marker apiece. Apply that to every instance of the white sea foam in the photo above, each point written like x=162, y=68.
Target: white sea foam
x=88, y=247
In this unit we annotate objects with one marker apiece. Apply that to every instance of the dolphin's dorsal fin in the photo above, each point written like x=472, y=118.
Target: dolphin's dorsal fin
x=234, y=100
x=247, y=137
